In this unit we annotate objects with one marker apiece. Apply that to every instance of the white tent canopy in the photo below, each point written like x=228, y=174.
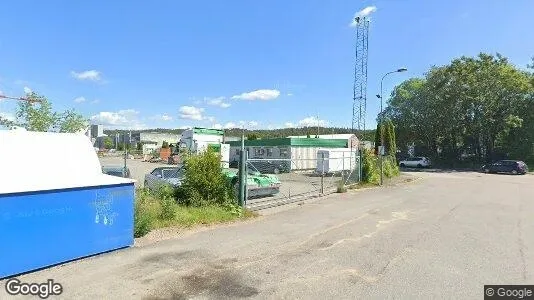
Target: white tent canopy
x=38, y=161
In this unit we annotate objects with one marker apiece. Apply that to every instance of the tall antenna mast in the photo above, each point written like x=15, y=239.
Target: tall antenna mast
x=359, y=99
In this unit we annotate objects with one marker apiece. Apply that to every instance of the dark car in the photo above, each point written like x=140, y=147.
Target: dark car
x=506, y=166
x=118, y=171
x=270, y=166
x=233, y=164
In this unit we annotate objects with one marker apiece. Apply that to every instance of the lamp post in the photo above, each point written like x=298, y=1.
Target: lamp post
x=380, y=119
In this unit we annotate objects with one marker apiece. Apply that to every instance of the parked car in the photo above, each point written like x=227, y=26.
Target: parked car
x=270, y=166
x=171, y=176
x=118, y=171
x=258, y=185
x=415, y=162
x=234, y=164
x=506, y=166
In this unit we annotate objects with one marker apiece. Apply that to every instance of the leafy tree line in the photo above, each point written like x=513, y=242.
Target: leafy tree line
x=479, y=107
x=38, y=115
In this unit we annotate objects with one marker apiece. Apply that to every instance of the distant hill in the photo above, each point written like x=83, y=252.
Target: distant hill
x=262, y=133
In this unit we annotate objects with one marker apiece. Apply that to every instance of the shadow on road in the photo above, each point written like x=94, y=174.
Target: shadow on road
x=440, y=170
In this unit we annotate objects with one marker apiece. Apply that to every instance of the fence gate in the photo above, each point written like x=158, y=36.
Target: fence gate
x=273, y=182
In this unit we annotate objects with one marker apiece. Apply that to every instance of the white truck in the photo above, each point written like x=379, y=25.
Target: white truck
x=198, y=139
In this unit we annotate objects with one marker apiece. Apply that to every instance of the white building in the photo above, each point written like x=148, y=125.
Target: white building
x=199, y=139
x=301, y=151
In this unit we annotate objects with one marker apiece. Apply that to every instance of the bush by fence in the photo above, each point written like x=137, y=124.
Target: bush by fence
x=371, y=167
x=204, y=197
x=204, y=182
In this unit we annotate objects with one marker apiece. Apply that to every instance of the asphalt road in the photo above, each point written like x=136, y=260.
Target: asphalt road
x=443, y=236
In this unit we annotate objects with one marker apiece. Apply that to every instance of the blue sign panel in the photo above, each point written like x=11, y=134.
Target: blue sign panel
x=40, y=229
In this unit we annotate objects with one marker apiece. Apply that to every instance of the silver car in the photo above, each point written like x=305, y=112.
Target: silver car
x=171, y=176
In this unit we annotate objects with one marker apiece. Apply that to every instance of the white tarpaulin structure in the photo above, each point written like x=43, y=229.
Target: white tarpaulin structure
x=38, y=161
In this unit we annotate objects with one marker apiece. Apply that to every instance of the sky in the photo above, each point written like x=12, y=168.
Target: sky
x=269, y=64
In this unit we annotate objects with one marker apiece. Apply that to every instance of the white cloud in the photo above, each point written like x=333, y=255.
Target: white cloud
x=219, y=101
x=289, y=94
x=191, y=113
x=210, y=119
x=258, y=95
x=253, y=124
x=184, y=127
x=27, y=90
x=122, y=119
x=163, y=117
x=311, y=122
x=230, y=125
x=80, y=100
x=1, y=93
x=217, y=126
x=95, y=101
x=362, y=13
x=92, y=75
x=289, y=125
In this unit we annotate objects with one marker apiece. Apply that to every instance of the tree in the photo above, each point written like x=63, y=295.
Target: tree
x=108, y=142
x=165, y=145
x=252, y=136
x=38, y=115
x=70, y=121
x=378, y=141
x=474, y=105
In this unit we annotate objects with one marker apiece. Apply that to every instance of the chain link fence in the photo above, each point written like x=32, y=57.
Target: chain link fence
x=299, y=179
x=270, y=182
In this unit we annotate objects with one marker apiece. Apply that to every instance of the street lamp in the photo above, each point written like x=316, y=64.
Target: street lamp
x=380, y=123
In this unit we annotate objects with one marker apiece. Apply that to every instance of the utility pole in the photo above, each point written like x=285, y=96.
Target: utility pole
x=381, y=149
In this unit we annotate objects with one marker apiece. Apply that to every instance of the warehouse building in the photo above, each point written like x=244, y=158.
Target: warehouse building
x=301, y=151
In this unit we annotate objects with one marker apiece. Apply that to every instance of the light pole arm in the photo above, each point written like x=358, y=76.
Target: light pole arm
x=382, y=96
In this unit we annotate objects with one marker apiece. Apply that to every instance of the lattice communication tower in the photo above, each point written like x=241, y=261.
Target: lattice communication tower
x=359, y=104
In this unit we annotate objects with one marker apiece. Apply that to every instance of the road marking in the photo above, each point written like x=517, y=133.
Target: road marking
x=396, y=217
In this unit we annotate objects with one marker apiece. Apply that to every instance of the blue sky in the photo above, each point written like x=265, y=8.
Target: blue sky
x=141, y=64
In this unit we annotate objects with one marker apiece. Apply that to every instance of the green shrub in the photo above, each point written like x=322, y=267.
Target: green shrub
x=168, y=208
x=204, y=182
x=143, y=216
x=390, y=167
x=370, y=170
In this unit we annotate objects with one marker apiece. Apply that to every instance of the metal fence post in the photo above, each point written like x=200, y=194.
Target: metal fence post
x=242, y=179
x=359, y=165
x=322, y=174
x=343, y=167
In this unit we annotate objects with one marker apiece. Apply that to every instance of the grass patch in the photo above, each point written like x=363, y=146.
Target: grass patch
x=158, y=210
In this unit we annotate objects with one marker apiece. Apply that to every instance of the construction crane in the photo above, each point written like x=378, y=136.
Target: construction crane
x=359, y=104
x=20, y=99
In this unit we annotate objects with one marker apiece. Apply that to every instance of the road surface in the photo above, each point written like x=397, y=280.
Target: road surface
x=443, y=236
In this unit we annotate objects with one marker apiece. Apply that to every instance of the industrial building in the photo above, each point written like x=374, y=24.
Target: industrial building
x=156, y=138
x=301, y=151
